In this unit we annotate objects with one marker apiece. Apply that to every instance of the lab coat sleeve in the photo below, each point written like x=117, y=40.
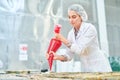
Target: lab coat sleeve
x=68, y=55
x=85, y=40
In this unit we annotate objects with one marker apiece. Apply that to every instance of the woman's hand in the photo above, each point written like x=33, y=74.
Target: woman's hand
x=58, y=36
x=55, y=55
x=63, y=39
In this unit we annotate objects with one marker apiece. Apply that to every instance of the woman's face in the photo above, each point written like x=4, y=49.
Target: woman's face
x=74, y=19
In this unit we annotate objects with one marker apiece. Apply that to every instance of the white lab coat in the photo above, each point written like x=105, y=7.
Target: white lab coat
x=86, y=46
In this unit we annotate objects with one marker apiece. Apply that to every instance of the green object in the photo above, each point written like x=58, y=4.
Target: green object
x=115, y=63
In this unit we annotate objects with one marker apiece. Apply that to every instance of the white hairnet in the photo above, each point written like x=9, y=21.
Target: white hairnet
x=80, y=10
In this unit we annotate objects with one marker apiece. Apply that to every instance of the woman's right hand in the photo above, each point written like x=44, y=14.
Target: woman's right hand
x=56, y=56
x=51, y=52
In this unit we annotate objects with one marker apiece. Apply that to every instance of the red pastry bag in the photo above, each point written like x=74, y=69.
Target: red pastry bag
x=53, y=46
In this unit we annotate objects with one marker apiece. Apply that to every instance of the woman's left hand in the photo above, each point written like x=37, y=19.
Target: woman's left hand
x=59, y=36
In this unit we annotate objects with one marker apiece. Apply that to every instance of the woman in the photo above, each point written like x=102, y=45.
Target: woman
x=83, y=41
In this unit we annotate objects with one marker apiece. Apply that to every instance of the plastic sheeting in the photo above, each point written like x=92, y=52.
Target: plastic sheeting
x=26, y=27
